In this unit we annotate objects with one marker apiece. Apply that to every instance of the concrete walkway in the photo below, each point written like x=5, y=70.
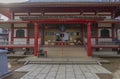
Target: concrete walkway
x=37, y=71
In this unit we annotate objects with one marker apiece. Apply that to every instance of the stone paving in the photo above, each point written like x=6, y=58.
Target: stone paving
x=63, y=71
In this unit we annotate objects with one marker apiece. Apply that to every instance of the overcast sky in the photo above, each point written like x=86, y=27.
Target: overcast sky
x=11, y=1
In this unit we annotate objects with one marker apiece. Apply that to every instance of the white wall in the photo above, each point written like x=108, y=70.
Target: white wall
x=20, y=25
x=19, y=40
x=99, y=39
x=32, y=40
x=92, y=40
x=5, y=26
x=105, y=39
x=9, y=38
x=104, y=25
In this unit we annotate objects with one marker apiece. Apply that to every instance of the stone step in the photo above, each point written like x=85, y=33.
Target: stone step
x=63, y=62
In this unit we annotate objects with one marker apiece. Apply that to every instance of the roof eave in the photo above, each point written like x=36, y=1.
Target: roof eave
x=59, y=4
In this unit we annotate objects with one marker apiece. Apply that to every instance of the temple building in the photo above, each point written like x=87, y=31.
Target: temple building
x=90, y=24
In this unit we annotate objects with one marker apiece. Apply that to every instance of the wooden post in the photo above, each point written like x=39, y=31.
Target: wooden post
x=12, y=16
x=112, y=14
x=12, y=28
x=113, y=32
x=96, y=34
x=35, y=39
x=113, y=25
x=42, y=36
x=89, y=39
x=28, y=38
x=81, y=34
x=12, y=33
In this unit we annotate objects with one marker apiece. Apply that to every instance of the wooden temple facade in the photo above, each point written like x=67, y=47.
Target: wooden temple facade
x=54, y=24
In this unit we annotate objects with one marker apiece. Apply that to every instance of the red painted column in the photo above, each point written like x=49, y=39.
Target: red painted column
x=12, y=28
x=12, y=34
x=89, y=39
x=35, y=39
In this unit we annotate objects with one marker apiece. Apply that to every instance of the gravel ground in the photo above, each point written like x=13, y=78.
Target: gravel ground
x=113, y=66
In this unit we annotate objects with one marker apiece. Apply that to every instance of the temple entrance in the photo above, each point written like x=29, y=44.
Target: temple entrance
x=64, y=41
x=70, y=20
x=63, y=35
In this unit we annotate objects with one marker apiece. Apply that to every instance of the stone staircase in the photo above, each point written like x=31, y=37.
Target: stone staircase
x=89, y=60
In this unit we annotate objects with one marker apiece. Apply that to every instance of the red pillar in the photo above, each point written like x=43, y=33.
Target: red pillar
x=89, y=39
x=35, y=39
x=12, y=33
x=12, y=28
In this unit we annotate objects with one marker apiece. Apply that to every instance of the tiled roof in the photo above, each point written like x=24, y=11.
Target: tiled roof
x=74, y=1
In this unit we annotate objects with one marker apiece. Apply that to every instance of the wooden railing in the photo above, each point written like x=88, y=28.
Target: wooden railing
x=17, y=43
